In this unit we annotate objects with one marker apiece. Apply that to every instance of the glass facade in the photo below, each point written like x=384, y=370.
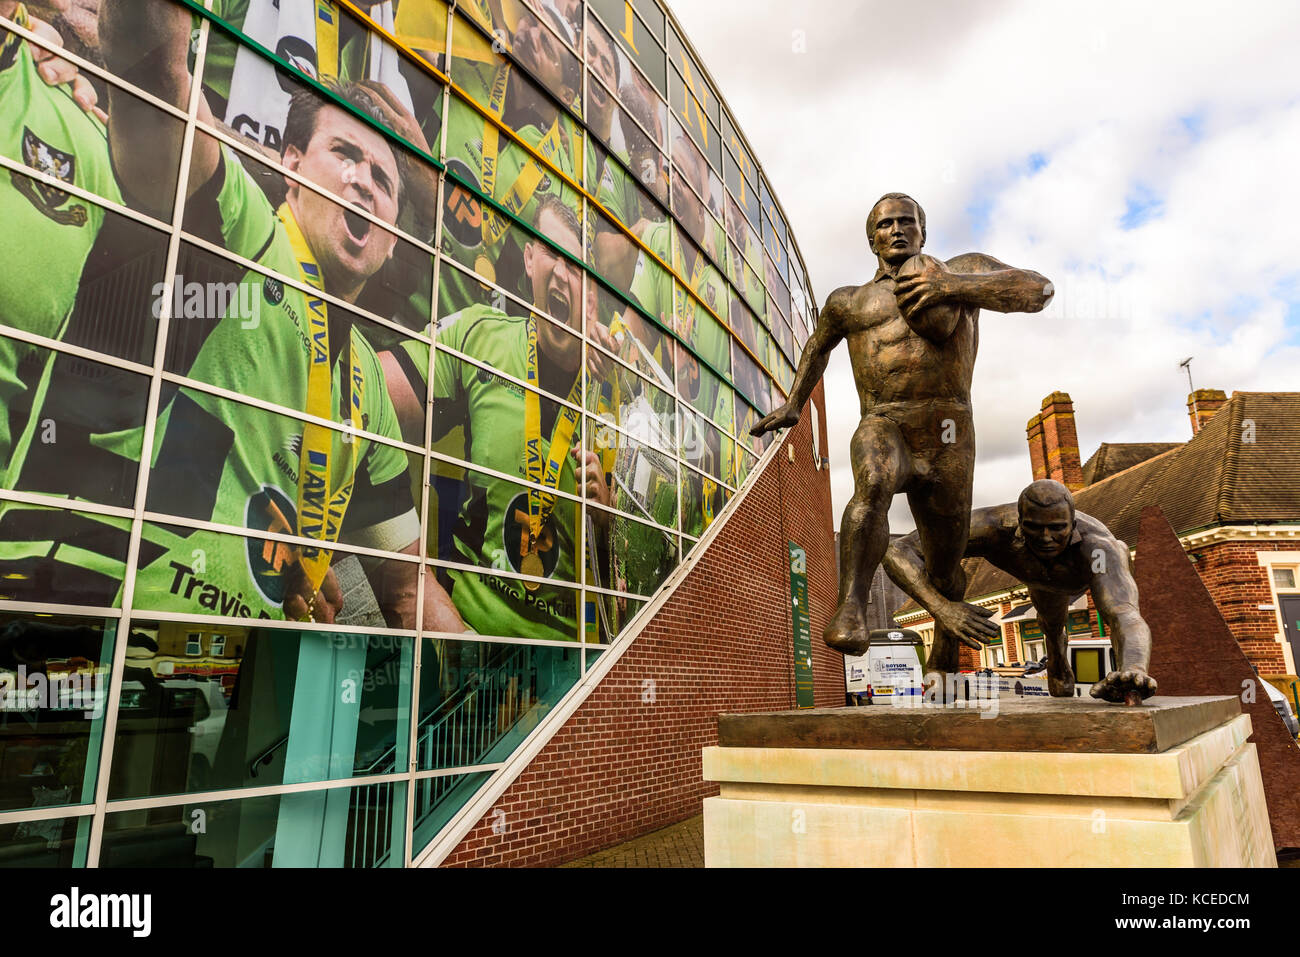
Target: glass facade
x=365, y=369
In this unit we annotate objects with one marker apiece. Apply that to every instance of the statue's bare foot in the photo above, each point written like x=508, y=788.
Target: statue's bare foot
x=847, y=633
x=1129, y=686
x=1061, y=685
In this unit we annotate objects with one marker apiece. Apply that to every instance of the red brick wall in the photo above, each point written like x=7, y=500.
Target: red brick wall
x=620, y=766
x=1239, y=585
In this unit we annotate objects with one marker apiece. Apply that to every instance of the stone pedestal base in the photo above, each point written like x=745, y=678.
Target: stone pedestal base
x=1172, y=784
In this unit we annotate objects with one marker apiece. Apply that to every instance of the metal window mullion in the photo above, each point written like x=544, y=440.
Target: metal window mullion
x=504, y=476
x=142, y=477
x=294, y=282
x=243, y=146
x=85, y=66
x=197, y=385
x=412, y=755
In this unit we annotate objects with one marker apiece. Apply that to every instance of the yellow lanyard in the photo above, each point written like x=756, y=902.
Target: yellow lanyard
x=543, y=468
x=686, y=306
x=320, y=509
x=327, y=40
x=530, y=176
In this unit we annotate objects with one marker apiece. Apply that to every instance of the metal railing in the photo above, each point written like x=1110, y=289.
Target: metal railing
x=460, y=732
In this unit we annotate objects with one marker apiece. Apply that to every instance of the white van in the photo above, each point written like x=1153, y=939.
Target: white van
x=893, y=666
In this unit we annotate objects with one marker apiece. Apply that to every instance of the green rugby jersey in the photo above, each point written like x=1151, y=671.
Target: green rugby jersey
x=46, y=233
x=615, y=188
x=653, y=288
x=463, y=214
x=490, y=410
x=216, y=460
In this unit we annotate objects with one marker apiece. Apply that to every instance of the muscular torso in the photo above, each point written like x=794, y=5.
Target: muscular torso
x=892, y=363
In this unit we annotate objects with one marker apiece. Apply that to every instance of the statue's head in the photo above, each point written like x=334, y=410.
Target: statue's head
x=1046, y=510
x=896, y=228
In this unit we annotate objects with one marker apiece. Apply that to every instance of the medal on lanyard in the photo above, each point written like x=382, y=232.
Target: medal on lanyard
x=542, y=468
x=320, y=507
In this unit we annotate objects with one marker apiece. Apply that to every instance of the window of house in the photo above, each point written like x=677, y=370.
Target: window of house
x=1284, y=578
x=194, y=644
x=217, y=645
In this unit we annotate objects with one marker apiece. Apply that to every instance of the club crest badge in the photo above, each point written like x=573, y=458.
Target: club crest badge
x=40, y=155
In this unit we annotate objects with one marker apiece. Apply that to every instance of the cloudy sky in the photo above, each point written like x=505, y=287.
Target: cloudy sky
x=1145, y=157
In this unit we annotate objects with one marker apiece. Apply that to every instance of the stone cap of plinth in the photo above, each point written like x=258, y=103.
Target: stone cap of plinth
x=1077, y=725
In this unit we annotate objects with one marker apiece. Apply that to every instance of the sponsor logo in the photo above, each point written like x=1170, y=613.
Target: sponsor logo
x=270, y=510
x=300, y=55
x=273, y=291
x=462, y=211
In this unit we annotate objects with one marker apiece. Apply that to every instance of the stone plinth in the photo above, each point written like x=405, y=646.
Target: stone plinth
x=1057, y=783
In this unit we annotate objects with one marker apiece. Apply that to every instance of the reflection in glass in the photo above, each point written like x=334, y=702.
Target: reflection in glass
x=608, y=616
x=483, y=161
x=745, y=464
x=703, y=498
x=637, y=341
x=750, y=379
x=359, y=826
x=635, y=41
x=437, y=800
x=707, y=393
x=53, y=692
x=747, y=417
x=479, y=699
x=51, y=842
x=222, y=461
x=205, y=708
x=54, y=135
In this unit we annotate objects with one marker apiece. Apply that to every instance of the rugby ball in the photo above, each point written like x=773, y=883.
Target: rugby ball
x=941, y=314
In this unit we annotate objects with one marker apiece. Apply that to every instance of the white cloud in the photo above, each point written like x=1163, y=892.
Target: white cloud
x=1196, y=110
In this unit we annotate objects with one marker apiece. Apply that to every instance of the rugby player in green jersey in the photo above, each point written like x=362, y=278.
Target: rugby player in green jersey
x=49, y=122
x=218, y=461
x=501, y=524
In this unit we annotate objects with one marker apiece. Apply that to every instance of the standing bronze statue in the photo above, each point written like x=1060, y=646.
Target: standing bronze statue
x=1058, y=553
x=912, y=332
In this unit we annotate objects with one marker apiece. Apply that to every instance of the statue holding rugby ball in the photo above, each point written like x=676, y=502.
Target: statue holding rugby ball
x=912, y=333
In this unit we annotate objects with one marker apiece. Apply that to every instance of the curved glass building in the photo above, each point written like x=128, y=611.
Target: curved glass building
x=365, y=370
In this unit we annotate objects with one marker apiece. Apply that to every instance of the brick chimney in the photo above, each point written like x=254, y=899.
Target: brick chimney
x=1061, y=441
x=1201, y=406
x=1037, y=450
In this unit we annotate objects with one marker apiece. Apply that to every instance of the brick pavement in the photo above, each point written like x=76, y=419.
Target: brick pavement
x=678, y=845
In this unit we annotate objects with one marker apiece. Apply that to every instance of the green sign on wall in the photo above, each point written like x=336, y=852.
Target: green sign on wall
x=802, y=623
